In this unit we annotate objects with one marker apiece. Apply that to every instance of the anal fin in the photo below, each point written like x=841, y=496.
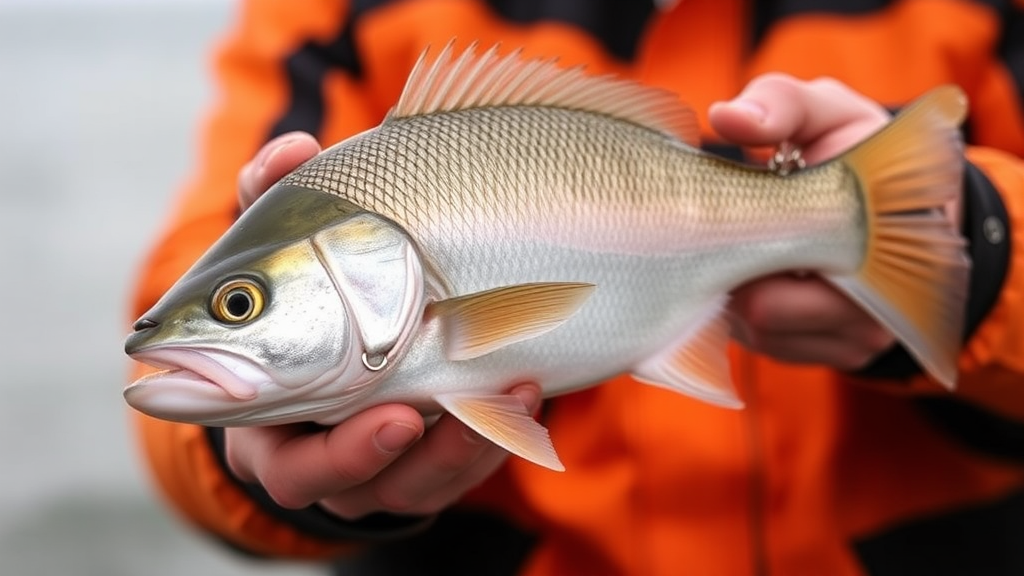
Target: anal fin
x=696, y=364
x=504, y=420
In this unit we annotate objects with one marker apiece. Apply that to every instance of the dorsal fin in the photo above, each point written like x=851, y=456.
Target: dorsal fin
x=470, y=81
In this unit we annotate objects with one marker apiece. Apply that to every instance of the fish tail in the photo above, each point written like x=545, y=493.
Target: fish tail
x=913, y=278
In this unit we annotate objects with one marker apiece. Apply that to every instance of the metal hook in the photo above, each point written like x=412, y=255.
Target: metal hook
x=787, y=159
x=378, y=367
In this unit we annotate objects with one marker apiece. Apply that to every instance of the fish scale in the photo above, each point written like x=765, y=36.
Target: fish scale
x=647, y=189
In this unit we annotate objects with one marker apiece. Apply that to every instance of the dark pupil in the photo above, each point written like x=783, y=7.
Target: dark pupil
x=239, y=304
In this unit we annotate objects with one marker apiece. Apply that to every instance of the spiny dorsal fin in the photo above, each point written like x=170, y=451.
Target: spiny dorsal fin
x=470, y=81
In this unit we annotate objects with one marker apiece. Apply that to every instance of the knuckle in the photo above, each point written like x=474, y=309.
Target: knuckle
x=775, y=79
x=394, y=500
x=346, y=508
x=829, y=83
x=284, y=494
x=349, y=473
x=458, y=457
x=346, y=465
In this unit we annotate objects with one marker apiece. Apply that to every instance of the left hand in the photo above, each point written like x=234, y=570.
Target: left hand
x=802, y=318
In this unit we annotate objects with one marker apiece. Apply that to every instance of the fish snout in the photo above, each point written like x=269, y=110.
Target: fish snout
x=142, y=332
x=144, y=324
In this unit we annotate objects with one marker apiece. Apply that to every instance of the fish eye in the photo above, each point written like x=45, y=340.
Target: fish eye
x=237, y=301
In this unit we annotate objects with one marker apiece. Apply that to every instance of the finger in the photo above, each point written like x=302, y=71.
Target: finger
x=823, y=116
x=300, y=468
x=484, y=467
x=836, y=351
x=424, y=479
x=452, y=491
x=775, y=315
x=449, y=454
x=448, y=447
x=275, y=159
x=786, y=304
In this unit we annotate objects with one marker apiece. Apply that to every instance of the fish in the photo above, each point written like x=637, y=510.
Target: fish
x=510, y=221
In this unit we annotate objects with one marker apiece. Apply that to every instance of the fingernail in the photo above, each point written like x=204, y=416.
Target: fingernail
x=265, y=158
x=751, y=108
x=269, y=153
x=395, y=436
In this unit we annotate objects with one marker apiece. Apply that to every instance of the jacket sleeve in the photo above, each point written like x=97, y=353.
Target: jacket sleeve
x=992, y=362
x=270, y=71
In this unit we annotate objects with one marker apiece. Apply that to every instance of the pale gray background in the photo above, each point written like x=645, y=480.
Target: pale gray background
x=99, y=106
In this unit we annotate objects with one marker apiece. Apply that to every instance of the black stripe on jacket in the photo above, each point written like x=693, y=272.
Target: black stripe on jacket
x=767, y=13
x=306, y=70
x=1011, y=47
x=980, y=540
x=616, y=24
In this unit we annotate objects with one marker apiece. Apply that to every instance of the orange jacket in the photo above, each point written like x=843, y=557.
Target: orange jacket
x=823, y=473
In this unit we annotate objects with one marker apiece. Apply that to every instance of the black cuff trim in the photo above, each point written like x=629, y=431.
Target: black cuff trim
x=980, y=538
x=980, y=430
x=315, y=522
x=986, y=226
x=461, y=542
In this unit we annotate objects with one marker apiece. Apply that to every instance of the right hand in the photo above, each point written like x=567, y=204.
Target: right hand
x=380, y=460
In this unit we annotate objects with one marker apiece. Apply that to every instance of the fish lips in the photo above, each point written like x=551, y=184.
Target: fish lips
x=196, y=385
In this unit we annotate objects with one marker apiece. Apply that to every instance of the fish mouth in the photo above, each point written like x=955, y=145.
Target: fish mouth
x=194, y=385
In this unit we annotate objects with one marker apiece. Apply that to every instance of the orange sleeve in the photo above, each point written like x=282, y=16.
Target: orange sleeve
x=256, y=73
x=992, y=363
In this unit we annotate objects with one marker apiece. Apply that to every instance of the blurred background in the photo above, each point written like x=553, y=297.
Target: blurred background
x=99, y=105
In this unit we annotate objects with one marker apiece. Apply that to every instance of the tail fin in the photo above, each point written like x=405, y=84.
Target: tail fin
x=914, y=275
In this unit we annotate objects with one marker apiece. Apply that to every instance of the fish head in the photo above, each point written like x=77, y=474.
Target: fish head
x=287, y=318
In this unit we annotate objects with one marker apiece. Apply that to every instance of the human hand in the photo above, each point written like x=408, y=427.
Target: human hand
x=272, y=162
x=800, y=317
x=380, y=460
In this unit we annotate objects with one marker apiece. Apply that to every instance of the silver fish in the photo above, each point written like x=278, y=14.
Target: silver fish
x=513, y=221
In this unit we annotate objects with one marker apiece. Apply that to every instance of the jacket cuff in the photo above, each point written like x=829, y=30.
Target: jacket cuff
x=986, y=225
x=314, y=521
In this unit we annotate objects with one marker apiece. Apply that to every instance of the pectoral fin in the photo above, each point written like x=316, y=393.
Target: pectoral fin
x=481, y=323
x=696, y=364
x=504, y=420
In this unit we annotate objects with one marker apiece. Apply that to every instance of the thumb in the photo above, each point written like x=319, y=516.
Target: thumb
x=273, y=161
x=823, y=116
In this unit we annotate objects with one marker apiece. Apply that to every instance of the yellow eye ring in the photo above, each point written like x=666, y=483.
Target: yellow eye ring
x=237, y=301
